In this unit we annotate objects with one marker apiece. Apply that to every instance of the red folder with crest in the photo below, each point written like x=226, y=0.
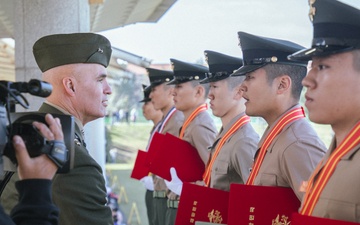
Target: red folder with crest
x=261, y=205
x=174, y=152
x=140, y=169
x=199, y=203
x=298, y=219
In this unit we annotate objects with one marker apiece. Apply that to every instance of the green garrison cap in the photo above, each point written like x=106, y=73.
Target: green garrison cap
x=62, y=49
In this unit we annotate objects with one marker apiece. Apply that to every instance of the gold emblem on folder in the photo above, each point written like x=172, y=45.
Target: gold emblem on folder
x=215, y=216
x=281, y=221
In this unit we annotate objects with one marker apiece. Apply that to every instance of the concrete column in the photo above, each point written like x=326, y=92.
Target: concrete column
x=95, y=140
x=37, y=18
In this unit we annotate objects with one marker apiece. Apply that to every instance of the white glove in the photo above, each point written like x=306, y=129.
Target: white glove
x=175, y=185
x=148, y=182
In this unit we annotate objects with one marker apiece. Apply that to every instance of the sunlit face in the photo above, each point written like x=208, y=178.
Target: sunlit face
x=259, y=93
x=221, y=98
x=184, y=96
x=160, y=96
x=149, y=112
x=91, y=90
x=333, y=93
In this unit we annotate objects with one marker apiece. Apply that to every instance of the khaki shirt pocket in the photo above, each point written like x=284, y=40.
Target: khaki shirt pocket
x=267, y=179
x=221, y=168
x=342, y=210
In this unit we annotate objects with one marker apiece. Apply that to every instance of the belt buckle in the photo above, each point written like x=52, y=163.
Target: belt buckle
x=173, y=204
x=159, y=194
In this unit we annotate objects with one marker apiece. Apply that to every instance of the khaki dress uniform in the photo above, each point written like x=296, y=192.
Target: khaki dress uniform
x=334, y=24
x=200, y=133
x=160, y=198
x=340, y=198
x=291, y=157
x=235, y=159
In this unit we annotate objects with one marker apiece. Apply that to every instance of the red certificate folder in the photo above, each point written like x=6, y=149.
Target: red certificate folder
x=198, y=203
x=298, y=219
x=141, y=169
x=177, y=153
x=261, y=205
x=156, y=143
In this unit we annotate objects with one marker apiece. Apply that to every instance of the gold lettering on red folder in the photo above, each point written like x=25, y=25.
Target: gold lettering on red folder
x=193, y=212
x=251, y=216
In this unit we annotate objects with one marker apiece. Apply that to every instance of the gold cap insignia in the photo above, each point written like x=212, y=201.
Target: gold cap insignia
x=206, y=57
x=167, y=79
x=312, y=10
x=196, y=77
x=274, y=59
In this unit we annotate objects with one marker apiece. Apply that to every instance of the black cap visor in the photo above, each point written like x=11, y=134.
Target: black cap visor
x=318, y=51
x=177, y=81
x=152, y=85
x=242, y=71
x=214, y=77
x=146, y=100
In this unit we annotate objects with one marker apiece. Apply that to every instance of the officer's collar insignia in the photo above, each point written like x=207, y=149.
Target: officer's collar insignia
x=77, y=142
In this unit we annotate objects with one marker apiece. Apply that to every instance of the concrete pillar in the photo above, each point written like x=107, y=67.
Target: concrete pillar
x=95, y=140
x=37, y=18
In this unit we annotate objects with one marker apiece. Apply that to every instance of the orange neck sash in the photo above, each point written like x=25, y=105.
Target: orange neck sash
x=237, y=125
x=289, y=117
x=196, y=112
x=313, y=191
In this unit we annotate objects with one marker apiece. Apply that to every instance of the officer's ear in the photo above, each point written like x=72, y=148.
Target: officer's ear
x=69, y=85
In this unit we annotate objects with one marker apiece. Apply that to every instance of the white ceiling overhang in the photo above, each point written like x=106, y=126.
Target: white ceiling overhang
x=104, y=15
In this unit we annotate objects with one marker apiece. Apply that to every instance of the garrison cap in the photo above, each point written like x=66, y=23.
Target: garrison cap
x=220, y=66
x=146, y=94
x=184, y=71
x=158, y=77
x=62, y=49
x=336, y=28
x=259, y=51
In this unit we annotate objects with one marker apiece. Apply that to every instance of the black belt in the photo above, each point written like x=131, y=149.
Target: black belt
x=172, y=203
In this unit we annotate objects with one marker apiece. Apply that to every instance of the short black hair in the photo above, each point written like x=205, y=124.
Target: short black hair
x=295, y=72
